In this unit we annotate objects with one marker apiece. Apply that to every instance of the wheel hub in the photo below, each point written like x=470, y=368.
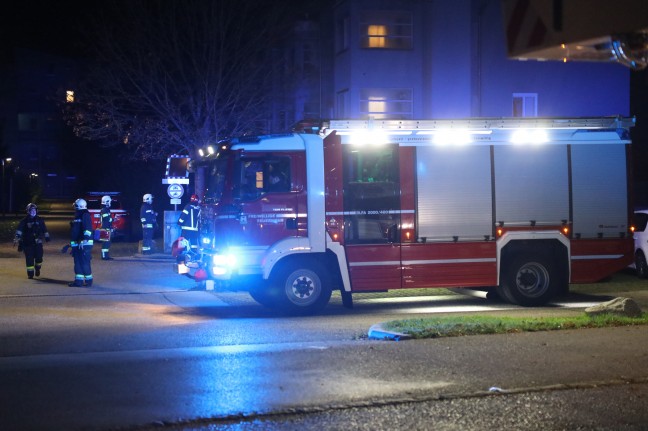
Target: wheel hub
x=303, y=287
x=532, y=279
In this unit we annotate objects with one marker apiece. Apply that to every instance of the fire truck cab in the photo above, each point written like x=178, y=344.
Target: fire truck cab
x=520, y=206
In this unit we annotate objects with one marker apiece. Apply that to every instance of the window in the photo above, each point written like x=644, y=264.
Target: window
x=342, y=35
x=341, y=98
x=69, y=96
x=386, y=30
x=371, y=194
x=525, y=104
x=29, y=122
x=382, y=103
x=257, y=177
x=376, y=35
x=641, y=221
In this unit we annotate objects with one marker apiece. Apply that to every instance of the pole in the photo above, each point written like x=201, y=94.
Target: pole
x=3, y=188
x=11, y=194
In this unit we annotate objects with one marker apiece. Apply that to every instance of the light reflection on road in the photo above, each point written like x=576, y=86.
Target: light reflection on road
x=443, y=304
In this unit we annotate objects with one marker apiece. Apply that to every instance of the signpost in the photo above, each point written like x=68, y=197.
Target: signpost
x=175, y=192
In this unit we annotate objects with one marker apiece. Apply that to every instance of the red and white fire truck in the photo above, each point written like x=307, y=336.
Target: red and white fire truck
x=518, y=206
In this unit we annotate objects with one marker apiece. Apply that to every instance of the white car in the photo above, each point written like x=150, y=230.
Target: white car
x=641, y=242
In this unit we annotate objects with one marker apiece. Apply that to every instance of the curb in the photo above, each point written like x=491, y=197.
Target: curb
x=153, y=257
x=377, y=332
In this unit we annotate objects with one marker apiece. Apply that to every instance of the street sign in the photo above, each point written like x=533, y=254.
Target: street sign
x=175, y=191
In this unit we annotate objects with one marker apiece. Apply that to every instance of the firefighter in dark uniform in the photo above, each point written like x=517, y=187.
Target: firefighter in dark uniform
x=81, y=243
x=188, y=221
x=106, y=227
x=30, y=234
x=148, y=217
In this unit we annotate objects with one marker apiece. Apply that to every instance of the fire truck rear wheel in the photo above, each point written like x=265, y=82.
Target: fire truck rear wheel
x=304, y=287
x=530, y=281
x=640, y=265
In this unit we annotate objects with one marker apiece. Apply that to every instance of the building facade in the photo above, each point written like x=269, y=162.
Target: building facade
x=412, y=59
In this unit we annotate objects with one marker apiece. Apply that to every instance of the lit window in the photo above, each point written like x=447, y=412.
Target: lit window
x=376, y=34
x=386, y=103
x=377, y=105
x=69, y=96
x=386, y=30
x=525, y=104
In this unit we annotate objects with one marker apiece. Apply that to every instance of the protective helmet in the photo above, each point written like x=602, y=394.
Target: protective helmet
x=195, y=199
x=80, y=204
x=148, y=198
x=30, y=207
x=106, y=200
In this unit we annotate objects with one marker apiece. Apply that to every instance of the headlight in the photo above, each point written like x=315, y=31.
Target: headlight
x=224, y=260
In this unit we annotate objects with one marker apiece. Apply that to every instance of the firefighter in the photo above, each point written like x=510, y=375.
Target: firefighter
x=106, y=227
x=148, y=217
x=81, y=243
x=30, y=234
x=188, y=221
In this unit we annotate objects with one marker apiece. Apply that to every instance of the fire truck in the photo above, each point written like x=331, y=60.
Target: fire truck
x=520, y=207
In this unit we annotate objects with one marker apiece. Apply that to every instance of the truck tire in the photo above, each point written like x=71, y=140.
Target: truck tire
x=302, y=287
x=640, y=265
x=264, y=296
x=530, y=280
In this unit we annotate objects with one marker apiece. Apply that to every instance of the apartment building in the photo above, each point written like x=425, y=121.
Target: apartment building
x=412, y=59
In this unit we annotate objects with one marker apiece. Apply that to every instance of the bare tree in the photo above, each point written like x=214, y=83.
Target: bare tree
x=173, y=76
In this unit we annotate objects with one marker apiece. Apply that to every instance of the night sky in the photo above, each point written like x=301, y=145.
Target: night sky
x=50, y=26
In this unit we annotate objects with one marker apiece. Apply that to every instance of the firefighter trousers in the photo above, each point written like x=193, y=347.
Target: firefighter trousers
x=147, y=240
x=82, y=268
x=105, y=248
x=33, y=259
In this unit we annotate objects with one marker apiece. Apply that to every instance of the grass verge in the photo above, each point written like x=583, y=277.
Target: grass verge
x=478, y=325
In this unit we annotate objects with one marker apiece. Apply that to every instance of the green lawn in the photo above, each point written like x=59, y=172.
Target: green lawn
x=454, y=326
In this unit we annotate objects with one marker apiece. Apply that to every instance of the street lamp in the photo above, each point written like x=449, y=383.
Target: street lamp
x=7, y=160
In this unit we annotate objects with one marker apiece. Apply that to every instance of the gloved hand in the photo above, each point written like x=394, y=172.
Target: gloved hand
x=20, y=247
x=65, y=248
x=47, y=239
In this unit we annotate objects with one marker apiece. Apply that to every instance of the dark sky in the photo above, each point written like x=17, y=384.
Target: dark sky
x=49, y=26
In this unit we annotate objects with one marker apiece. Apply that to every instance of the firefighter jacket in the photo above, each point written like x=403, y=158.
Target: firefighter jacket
x=148, y=216
x=81, y=228
x=189, y=217
x=106, y=217
x=31, y=231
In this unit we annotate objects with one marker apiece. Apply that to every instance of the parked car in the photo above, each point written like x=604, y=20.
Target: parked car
x=641, y=242
x=121, y=217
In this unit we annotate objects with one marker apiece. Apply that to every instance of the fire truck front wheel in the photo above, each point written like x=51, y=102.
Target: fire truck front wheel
x=302, y=286
x=264, y=297
x=530, y=280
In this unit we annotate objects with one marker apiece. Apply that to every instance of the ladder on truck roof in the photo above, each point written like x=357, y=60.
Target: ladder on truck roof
x=486, y=123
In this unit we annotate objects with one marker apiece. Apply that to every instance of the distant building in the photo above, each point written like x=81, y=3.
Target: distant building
x=34, y=135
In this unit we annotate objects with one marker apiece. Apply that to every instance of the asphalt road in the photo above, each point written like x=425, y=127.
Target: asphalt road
x=144, y=349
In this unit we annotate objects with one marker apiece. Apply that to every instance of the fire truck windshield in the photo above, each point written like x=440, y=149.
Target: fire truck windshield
x=215, y=181
x=256, y=176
